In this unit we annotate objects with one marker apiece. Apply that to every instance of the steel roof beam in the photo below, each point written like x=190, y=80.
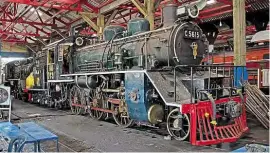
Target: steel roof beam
x=61, y=6
x=219, y=13
x=49, y=14
x=225, y=2
x=14, y=41
x=211, y=10
x=38, y=29
x=112, y=6
x=140, y=7
x=93, y=8
x=16, y=17
x=60, y=33
x=19, y=33
x=66, y=1
x=90, y=22
x=28, y=22
x=112, y=16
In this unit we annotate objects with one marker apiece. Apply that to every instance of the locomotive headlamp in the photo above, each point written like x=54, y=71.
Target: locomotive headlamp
x=191, y=11
x=181, y=11
x=79, y=41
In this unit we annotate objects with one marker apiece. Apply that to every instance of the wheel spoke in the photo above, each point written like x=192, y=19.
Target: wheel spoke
x=183, y=131
x=121, y=118
x=175, y=117
x=75, y=99
x=125, y=119
x=174, y=120
x=96, y=102
x=175, y=129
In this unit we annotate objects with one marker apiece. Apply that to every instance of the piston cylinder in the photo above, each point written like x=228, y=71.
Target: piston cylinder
x=87, y=82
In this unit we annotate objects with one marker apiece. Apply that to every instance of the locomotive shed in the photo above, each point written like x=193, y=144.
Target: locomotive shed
x=134, y=75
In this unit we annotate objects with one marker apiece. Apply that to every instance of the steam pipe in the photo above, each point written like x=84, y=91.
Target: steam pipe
x=210, y=97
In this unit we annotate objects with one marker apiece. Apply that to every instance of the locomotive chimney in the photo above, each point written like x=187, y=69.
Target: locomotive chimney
x=169, y=14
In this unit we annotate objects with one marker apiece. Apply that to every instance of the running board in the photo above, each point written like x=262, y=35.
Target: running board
x=164, y=84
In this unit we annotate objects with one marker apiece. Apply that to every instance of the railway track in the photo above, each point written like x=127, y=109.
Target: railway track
x=71, y=144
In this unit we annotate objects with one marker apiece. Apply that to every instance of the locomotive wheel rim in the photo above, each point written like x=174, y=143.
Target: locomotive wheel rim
x=74, y=99
x=58, y=105
x=95, y=114
x=176, y=132
x=120, y=120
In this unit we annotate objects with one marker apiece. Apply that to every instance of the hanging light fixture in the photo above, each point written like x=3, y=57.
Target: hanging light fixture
x=220, y=23
x=210, y=2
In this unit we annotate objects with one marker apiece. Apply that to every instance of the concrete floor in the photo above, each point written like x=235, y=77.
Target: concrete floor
x=81, y=133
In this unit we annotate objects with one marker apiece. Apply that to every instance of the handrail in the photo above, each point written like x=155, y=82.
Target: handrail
x=191, y=70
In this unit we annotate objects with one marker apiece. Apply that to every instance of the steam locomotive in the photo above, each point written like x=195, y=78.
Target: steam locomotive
x=16, y=73
x=142, y=76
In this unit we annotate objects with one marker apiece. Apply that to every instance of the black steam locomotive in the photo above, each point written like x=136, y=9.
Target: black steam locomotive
x=143, y=76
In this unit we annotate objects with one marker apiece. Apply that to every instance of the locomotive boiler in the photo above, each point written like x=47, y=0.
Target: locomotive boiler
x=177, y=42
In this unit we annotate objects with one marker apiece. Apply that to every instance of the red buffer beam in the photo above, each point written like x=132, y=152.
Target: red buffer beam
x=61, y=6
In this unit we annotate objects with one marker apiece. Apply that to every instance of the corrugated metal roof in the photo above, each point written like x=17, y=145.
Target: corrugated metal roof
x=64, y=17
x=255, y=5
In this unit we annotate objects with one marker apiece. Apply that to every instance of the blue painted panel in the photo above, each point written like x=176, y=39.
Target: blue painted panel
x=134, y=94
x=255, y=148
x=240, y=74
x=13, y=54
x=37, y=132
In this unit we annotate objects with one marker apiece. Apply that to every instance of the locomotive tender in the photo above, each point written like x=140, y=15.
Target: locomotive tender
x=147, y=77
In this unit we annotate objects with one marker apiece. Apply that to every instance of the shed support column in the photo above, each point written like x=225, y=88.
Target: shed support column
x=150, y=13
x=98, y=26
x=239, y=27
x=148, y=10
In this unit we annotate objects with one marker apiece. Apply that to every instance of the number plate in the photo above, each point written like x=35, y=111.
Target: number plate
x=191, y=34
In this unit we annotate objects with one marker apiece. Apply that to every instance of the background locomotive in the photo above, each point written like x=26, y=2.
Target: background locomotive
x=16, y=73
x=151, y=77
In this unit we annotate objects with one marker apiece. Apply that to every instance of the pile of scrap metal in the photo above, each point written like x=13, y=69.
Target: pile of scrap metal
x=258, y=104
